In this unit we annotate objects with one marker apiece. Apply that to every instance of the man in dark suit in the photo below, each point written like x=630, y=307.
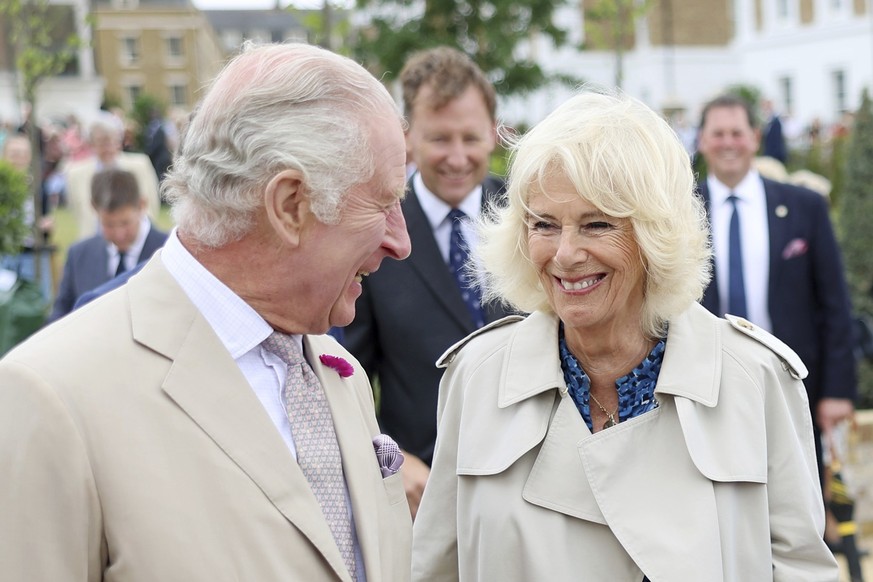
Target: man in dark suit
x=412, y=311
x=126, y=238
x=789, y=276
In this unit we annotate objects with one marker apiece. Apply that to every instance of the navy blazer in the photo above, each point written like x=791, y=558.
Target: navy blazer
x=87, y=268
x=807, y=297
x=410, y=312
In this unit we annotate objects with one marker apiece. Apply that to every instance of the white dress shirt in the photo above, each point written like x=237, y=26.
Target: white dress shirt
x=242, y=331
x=437, y=213
x=755, y=242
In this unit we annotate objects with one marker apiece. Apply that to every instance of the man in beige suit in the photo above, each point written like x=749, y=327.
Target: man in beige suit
x=106, y=144
x=158, y=433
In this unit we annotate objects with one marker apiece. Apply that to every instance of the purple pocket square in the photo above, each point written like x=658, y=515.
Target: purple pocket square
x=388, y=454
x=795, y=248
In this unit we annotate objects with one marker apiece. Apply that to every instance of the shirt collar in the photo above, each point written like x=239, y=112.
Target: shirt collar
x=239, y=327
x=135, y=249
x=436, y=210
x=748, y=188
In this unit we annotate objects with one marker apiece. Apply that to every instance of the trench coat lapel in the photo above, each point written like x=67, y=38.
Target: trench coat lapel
x=652, y=495
x=557, y=480
x=208, y=386
x=653, y=499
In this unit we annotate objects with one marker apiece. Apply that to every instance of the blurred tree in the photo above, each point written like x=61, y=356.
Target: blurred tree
x=39, y=53
x=490, y=31
x=13, y=194
x=611, y=23
x=141, y=114
x=856, y=236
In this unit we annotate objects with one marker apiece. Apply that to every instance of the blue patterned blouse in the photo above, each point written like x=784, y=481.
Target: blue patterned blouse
x=636, y=390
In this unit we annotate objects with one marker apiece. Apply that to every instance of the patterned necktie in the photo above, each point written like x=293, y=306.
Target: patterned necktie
x=121, y=266
x=736, y=282
x=318, y=452
x=458, y=256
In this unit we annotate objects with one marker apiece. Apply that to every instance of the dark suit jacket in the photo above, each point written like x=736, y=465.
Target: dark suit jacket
x=808, y=299
x=410, y=312
x=113, y=283
x=86, y=268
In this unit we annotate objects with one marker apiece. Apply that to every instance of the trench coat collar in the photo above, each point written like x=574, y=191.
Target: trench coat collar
x=533, y=361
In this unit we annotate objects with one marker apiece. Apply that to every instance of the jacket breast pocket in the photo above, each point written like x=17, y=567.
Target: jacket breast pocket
x=394, y=488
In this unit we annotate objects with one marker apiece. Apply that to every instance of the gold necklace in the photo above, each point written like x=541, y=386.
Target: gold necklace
x=610, y=418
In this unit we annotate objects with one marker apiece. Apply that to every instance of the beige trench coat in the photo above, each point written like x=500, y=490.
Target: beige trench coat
x=718, y=484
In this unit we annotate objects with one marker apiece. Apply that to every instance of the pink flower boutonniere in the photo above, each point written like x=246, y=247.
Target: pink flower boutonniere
x=342, y=367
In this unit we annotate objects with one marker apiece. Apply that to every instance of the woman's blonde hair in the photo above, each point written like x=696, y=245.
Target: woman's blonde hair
x=624, y=159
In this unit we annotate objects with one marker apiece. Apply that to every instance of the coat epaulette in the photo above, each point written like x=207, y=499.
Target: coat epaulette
x=449, y=355
x=791, y=362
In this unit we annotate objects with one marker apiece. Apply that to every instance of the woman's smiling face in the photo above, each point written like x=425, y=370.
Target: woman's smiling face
x=589, y=263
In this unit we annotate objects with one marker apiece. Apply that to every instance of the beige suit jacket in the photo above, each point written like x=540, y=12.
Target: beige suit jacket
x=79, y=175
x=718, y=484
x=133, y=449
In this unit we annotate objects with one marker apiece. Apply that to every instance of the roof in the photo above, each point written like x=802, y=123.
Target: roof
x=252, y=19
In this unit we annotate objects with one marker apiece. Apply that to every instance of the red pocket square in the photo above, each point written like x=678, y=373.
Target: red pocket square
x=795, y=248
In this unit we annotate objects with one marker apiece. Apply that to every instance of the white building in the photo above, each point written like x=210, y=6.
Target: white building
x=78, y=90
x=812, y=58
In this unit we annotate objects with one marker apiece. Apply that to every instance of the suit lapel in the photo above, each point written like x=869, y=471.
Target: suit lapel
x=779, y=234
x=427, y=262
x=208, y=386
x=95, y=265
x=154, y=240
x=359, y=459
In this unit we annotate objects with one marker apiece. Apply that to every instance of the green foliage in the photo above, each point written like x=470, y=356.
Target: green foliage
x=487, y=30
x=14, y=192
x=143, y=107
x=323, y=24
x=38, y=51
x=855, y=232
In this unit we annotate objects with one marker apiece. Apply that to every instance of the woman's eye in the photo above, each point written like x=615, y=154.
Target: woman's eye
x=542, y=225
x=600, y=225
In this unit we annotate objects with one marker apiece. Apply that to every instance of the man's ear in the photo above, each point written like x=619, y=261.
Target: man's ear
x=286, y=205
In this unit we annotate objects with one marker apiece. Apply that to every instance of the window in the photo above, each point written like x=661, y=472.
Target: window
x=175, y=47
x=839, y=84
x=133, y=93
x=178, y=95
x=782, y=9
x=130, y=53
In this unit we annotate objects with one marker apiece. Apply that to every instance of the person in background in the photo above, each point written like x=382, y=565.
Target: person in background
x=774, y=142
x=127, y=238
x=195, y=423
x=620, y=428
x=450, y=108
x=160, y=137
x=104, y=139
x=776, y=261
